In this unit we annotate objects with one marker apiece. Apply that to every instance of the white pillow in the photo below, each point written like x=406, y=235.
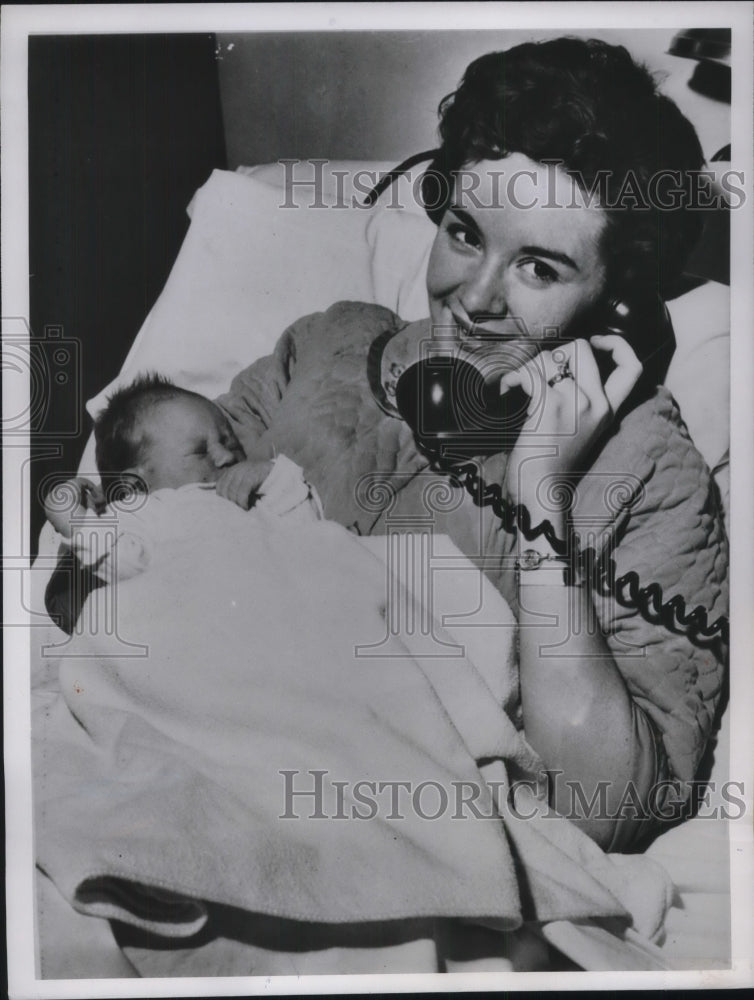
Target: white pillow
x=247, y=269
x=699, y=374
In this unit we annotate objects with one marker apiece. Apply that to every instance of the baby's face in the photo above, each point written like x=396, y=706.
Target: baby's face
x=189, y=441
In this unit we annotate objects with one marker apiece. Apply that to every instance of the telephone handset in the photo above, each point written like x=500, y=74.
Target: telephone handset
x=454, y=405
x=456, y=413
x=644, y=321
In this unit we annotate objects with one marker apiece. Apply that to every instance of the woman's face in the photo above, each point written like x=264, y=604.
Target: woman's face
x=517, y=257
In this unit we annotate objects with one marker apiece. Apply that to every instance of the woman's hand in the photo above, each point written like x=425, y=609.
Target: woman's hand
x=566, y=416
x=241, y=481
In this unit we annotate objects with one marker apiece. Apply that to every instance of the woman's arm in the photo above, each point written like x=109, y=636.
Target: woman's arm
x=256, y=392
x=606, y=724
x=599, y=746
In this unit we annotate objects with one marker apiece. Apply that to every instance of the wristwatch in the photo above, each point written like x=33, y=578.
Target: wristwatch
x=532, y=559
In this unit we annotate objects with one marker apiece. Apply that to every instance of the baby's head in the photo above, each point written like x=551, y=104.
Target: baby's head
x=166, y=436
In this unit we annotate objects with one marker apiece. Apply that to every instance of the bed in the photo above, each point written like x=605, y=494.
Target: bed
x=215, y=316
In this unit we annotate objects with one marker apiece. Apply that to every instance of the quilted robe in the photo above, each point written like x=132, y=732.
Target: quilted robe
x=648, y=497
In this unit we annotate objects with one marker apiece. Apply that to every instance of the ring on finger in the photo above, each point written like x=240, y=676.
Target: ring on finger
x=563, y=372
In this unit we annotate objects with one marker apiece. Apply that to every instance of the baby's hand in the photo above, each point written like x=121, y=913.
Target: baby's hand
x=72, y=499
x=239, y=482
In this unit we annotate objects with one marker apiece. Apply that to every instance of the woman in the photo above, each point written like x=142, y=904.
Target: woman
x=550, y=153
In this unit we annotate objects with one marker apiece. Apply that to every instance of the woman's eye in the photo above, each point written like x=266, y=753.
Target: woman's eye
x=540, y=272
x=464, y=236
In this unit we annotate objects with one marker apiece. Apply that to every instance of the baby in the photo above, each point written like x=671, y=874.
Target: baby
x=175, y=447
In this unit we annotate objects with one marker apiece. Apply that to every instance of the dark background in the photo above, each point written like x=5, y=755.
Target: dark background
x=122, y=130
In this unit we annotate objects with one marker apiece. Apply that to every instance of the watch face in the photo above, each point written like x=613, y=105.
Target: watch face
x=530, y=559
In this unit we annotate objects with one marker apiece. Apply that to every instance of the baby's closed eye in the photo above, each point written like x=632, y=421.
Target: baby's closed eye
x=197, y=447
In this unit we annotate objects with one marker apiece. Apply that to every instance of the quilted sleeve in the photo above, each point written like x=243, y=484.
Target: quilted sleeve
x=672, y=533
x=325, y=355
x=255, y=392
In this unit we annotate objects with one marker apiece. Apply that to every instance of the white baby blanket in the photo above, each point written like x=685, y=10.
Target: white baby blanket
x=263, y=660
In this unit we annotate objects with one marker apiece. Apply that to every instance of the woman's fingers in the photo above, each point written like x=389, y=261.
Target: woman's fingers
x=574, y=361
x=239, y=489
x=227, y=484
x=627, y=370
x=583, y=367
x=240, y=482
x=536, y=375
x=530, y=376
x=515, y=378
x=568, y=402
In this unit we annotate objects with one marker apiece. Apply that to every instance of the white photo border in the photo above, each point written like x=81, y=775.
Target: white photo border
x=21, y=21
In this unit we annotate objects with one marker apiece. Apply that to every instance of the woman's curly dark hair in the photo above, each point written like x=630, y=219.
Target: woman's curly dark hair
x=589, y=107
